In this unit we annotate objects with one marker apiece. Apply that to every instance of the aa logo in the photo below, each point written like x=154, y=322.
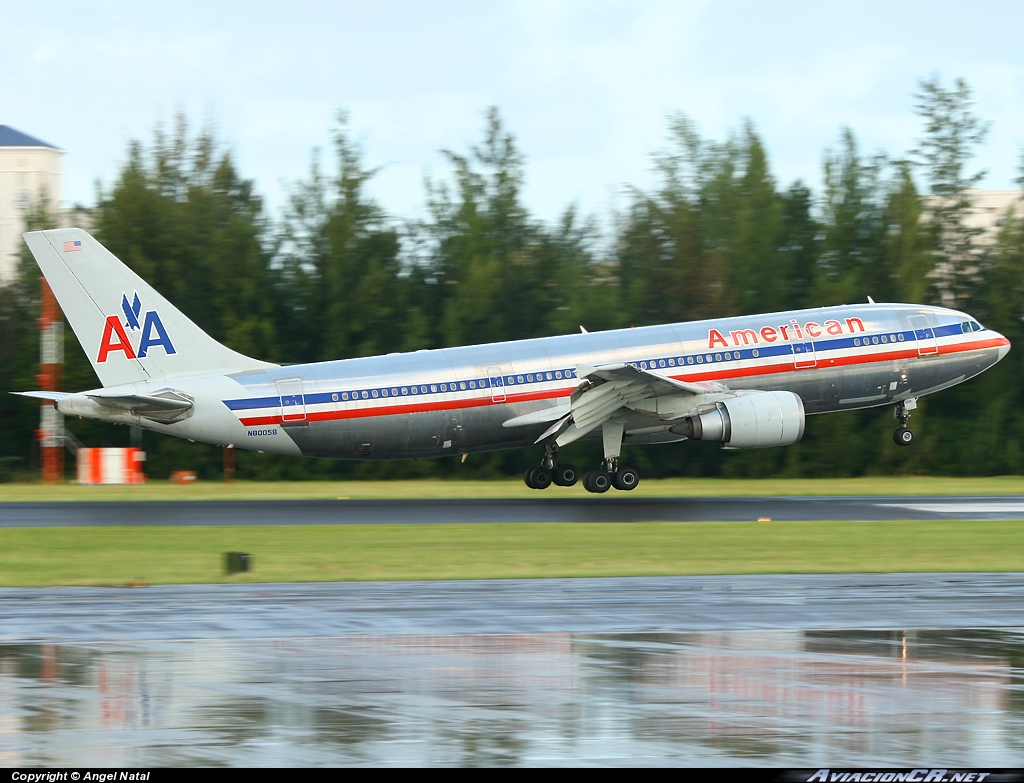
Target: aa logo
x=151, y=328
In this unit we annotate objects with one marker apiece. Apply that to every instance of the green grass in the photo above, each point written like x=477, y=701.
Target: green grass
x=115, y=556
x=512, y=488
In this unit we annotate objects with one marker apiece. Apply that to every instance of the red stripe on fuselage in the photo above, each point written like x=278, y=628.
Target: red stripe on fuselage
x=736, y=372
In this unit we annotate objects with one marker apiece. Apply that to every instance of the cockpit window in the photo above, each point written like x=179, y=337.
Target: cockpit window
x=977, y=327
x=971, y=326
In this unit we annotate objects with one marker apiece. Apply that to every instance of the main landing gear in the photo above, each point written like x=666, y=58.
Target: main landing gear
x=904, y=436
x=600, y=480
x=550, y=472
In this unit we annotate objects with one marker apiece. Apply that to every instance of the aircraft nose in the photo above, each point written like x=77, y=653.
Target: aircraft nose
x=1002, y=345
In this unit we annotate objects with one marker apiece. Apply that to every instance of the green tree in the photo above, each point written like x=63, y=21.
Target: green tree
x=952, y=132
x=485, y=254
x=181, y=216
x=340, y=264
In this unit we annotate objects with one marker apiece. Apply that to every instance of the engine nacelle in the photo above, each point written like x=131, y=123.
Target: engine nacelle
x=753, y=421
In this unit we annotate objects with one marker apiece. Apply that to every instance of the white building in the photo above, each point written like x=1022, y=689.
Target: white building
x=987, y=211
x=29, y=170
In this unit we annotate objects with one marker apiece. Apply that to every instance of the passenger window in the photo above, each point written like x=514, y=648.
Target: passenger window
x=689, y=360
x=374, y=393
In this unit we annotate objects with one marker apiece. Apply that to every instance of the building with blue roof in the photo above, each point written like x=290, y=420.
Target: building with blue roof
x=29, y=171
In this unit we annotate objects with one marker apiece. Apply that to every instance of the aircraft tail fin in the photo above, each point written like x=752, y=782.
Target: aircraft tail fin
x=129, y=331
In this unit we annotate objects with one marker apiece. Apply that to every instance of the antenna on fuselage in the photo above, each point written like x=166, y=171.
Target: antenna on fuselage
x=582, y=330
x=870, y=300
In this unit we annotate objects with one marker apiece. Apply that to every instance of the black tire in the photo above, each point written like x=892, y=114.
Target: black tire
x=599, y=481
x=626, y=479
x=565, y=475
x=904, y=436
x=541, y=478
x=528, y=477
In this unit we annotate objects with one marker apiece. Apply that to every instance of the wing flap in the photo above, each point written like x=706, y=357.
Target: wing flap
x=605, y=390
x=540, y=417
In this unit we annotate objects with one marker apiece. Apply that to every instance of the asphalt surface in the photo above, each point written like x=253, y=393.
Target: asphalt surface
x=541, y=509
x=616, y=605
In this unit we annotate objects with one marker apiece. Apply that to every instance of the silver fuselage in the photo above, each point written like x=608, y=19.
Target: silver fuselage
x=456, y=400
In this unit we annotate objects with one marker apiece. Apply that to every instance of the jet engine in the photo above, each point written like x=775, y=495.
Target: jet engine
x=753, y=421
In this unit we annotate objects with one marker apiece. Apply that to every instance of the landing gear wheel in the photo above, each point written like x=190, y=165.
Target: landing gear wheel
x=565, y=475
x=537, y=478
x=626, y=479
x=597, y=481
x=904, y=436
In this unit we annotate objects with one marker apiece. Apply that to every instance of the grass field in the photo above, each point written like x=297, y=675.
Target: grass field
x=511, y=488
x=117, y=556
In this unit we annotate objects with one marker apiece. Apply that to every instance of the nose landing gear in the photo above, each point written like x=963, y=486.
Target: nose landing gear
x=904, y=436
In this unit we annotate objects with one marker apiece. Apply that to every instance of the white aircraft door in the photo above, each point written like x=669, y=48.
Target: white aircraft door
x=924, y=333
x=497, y=383
x=293, y=403
x=804, y=357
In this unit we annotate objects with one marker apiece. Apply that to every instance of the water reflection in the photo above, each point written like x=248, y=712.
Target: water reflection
x=780, y=698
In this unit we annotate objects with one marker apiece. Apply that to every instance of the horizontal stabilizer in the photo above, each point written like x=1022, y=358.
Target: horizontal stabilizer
x=44, y=395
x=144, y=403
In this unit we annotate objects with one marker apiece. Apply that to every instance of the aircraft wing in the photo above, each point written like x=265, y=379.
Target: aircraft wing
x=605, y=390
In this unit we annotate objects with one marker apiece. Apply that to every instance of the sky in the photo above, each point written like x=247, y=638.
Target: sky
x=586, y=87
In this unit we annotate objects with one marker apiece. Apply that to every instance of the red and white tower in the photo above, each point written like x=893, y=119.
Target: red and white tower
x=50, y=378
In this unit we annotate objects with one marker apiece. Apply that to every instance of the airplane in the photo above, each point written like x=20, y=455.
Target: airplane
x=744, y=382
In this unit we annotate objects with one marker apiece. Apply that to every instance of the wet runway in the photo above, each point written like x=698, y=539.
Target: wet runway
x=540, y=509
x=795, y=671
x=500, y=606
